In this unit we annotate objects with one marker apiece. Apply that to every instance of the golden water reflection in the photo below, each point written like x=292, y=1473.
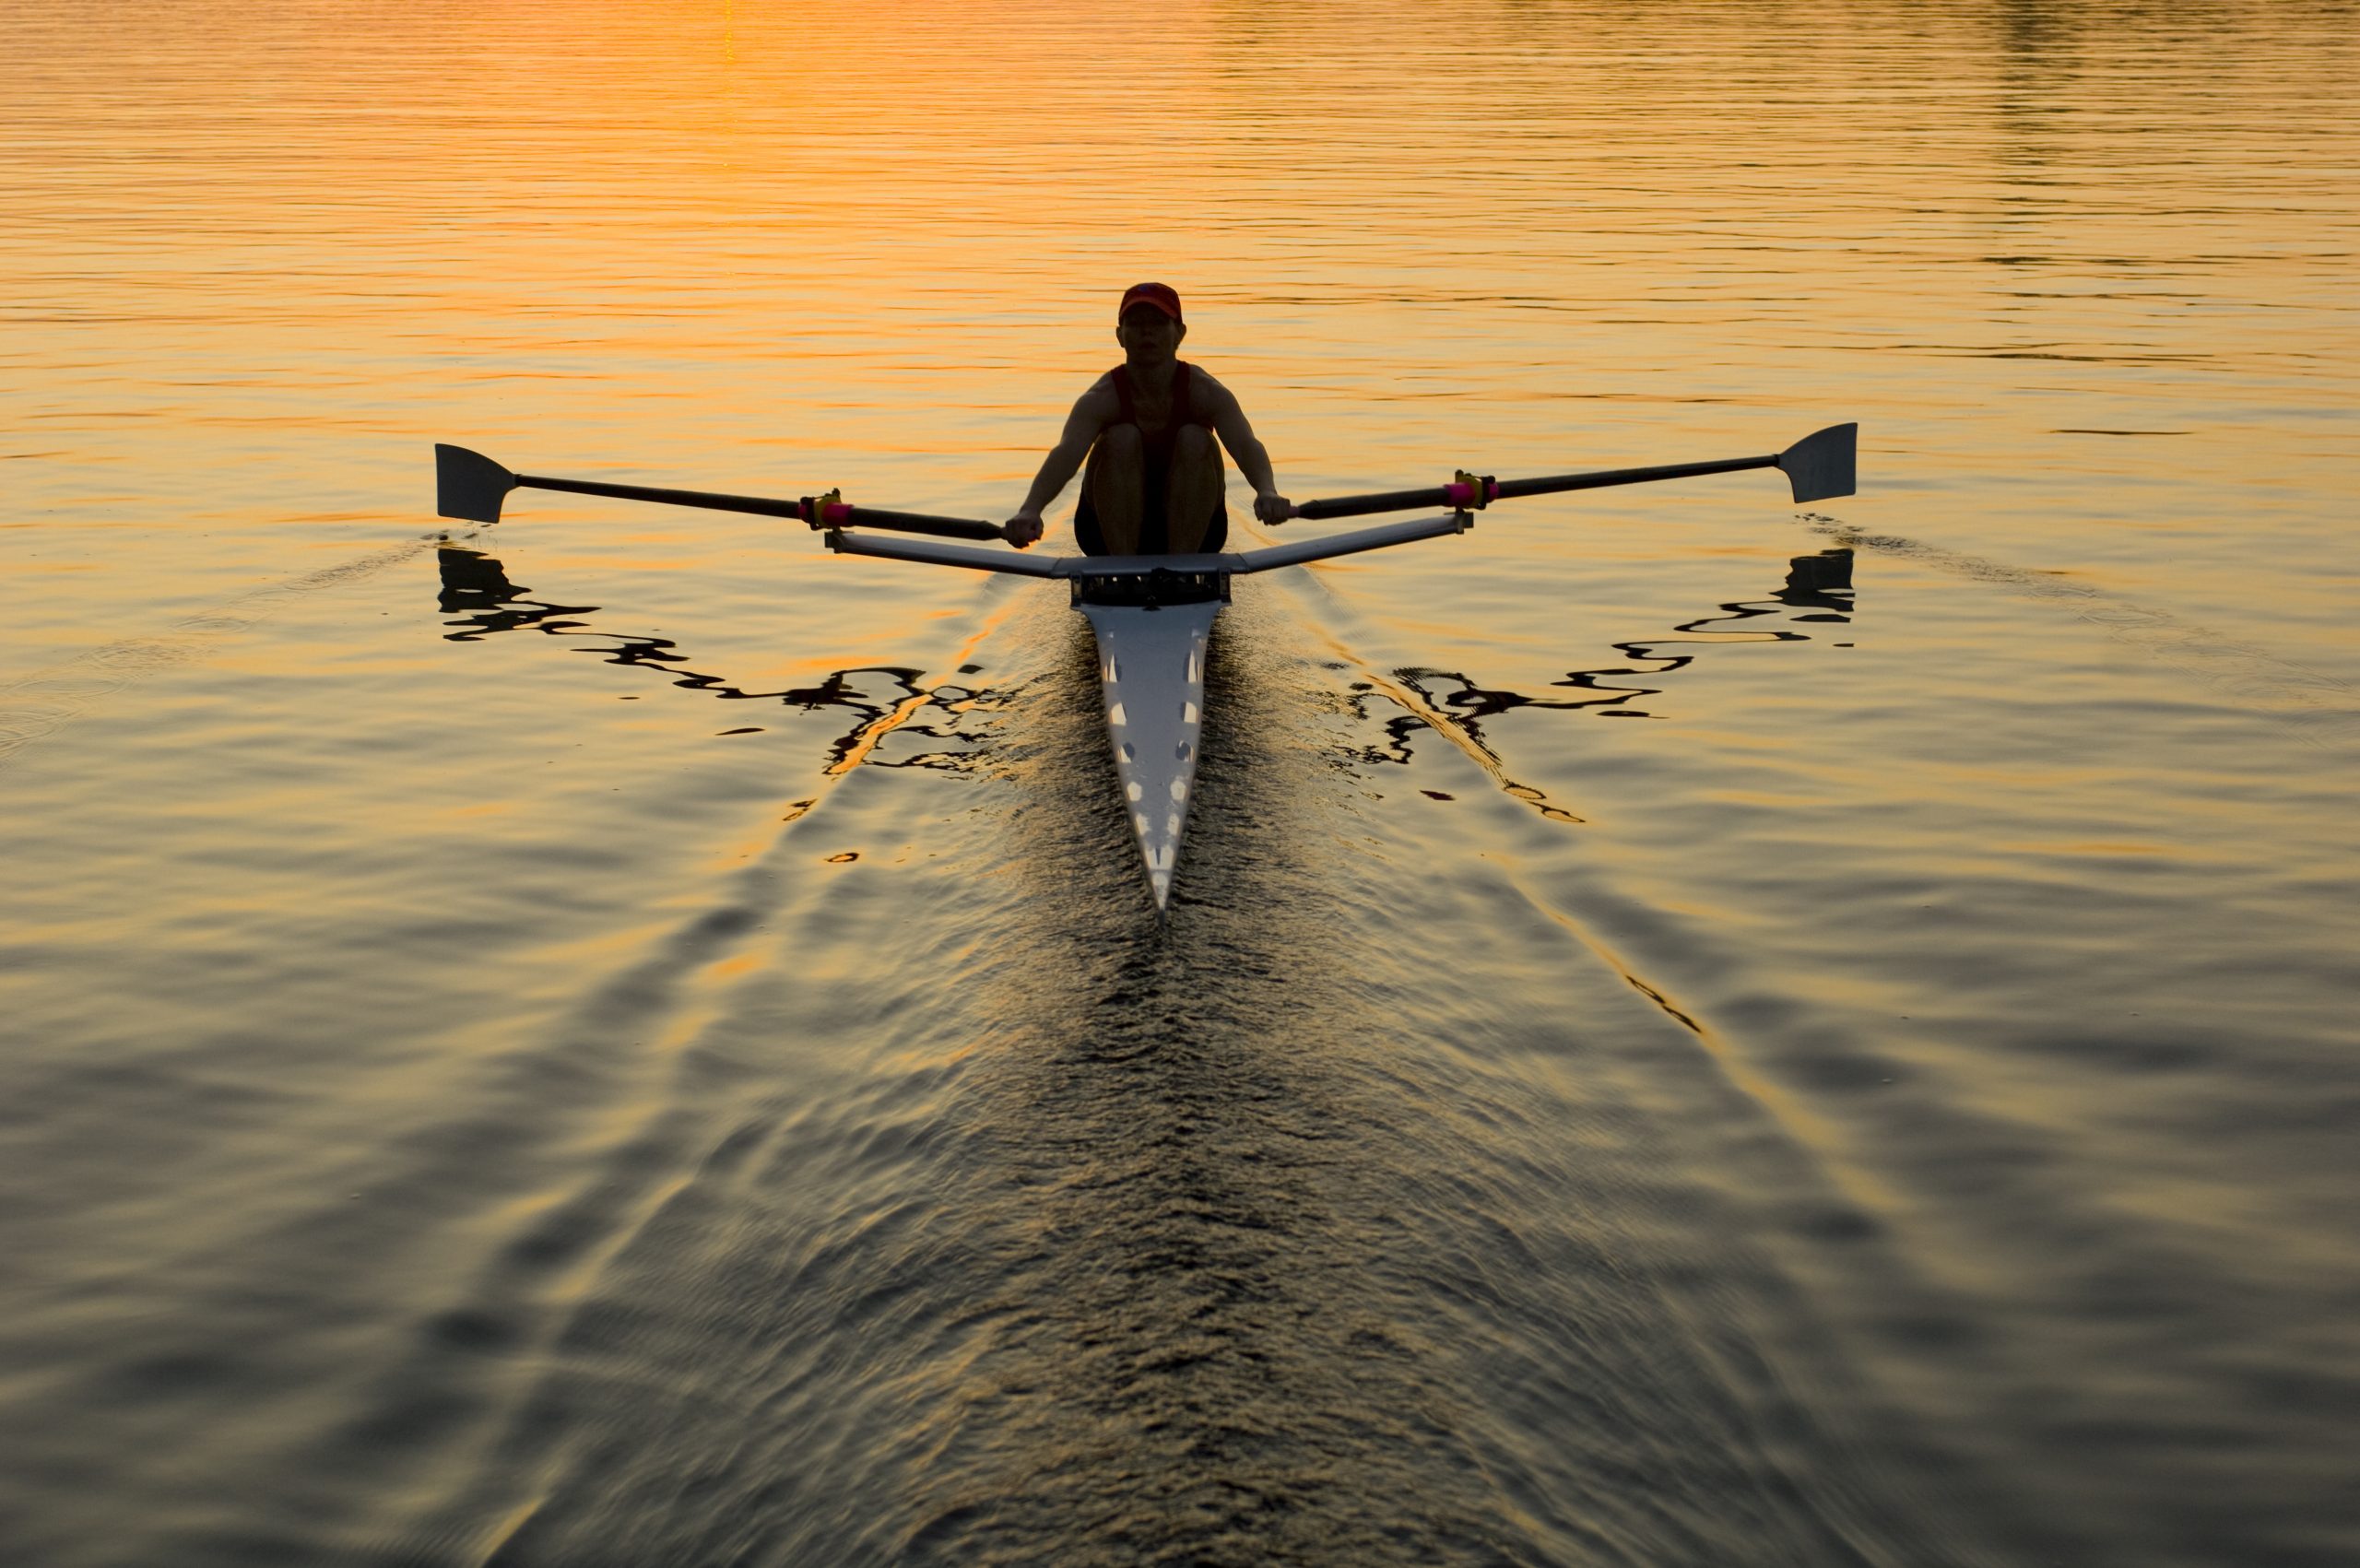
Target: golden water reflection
x=1891, y=1106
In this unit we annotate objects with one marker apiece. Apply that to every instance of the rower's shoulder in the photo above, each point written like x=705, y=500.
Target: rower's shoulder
x=1202, y=382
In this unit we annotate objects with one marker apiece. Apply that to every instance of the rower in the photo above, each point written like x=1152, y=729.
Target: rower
x=1146, y=429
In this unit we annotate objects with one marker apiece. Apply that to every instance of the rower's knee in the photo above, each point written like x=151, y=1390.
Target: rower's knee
x=1192, y=443
x=1122, y=443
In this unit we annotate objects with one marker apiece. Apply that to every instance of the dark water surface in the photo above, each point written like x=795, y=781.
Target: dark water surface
x=618, y=1038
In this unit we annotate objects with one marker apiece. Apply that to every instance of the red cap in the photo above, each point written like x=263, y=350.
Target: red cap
x=1159, y=295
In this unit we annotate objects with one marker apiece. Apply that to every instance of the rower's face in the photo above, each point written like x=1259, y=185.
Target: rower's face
x=1148, y=336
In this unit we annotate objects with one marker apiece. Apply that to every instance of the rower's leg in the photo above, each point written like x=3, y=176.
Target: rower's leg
x=1194, y=488
x=1118, y=487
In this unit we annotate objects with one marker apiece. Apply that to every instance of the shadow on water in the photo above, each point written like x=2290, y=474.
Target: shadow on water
x=1191, y=1357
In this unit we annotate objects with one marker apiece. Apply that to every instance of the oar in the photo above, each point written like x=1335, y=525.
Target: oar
x=469, y=485
x=1819, y=466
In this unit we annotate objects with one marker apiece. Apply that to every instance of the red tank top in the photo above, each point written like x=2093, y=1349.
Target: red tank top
x=1157, y=444
x=1158, y=441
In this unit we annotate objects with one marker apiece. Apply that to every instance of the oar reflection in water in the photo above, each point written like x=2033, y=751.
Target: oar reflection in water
x=476, y=591
x=1818, y=590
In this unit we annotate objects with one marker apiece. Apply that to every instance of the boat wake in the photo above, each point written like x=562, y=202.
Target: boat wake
x=35, y=706
x=2323, y=711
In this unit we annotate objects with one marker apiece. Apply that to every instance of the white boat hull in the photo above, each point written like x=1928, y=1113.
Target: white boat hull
x=1152, y=650
x=1152, y=666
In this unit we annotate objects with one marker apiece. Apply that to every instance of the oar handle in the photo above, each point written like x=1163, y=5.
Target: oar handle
x=1453, y=495
x=915, y=523
x=819, y=512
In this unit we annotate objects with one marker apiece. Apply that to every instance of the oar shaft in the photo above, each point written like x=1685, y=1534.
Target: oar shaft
x=1457, y=495
x=712, y=501
x=1554, y=484
x=838, y=515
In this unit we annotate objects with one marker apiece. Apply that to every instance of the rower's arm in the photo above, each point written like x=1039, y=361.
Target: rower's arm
x=1246, y=450
x=1082, y=429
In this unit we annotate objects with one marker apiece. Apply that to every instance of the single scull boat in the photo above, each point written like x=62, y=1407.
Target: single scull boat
x=1151, y=615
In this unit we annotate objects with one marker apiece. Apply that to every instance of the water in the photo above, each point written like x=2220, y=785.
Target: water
x=620, y=1038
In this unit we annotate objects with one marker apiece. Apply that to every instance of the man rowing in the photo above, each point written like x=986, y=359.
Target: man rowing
x=1146, y=429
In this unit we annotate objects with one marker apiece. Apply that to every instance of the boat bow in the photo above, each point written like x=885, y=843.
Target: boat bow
x=1151, y=668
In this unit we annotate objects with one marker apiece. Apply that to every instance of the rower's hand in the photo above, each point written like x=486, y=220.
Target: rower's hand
x=1273, y=508
x=1021, y=529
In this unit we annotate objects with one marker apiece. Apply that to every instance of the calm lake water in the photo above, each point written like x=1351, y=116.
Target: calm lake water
x=621, y=1038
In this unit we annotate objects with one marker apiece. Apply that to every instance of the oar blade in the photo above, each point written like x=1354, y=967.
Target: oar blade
x=1821, y=465
x=469, y=485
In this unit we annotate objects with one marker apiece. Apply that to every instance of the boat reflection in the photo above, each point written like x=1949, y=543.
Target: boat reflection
x=477, y=595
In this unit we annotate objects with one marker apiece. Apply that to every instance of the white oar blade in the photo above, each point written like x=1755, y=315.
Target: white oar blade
x=469, y=485
x=1821, y=467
